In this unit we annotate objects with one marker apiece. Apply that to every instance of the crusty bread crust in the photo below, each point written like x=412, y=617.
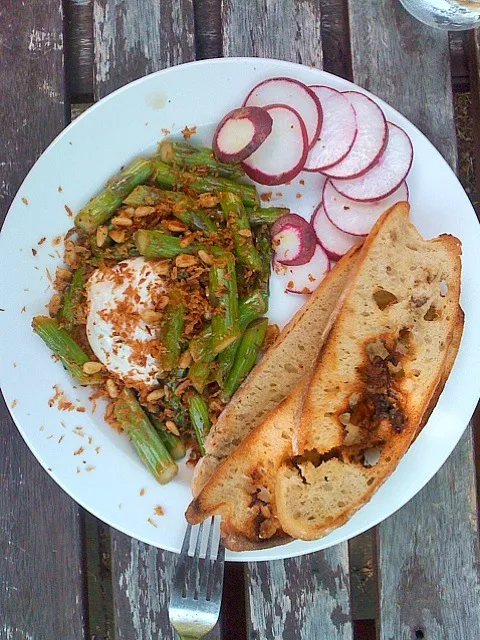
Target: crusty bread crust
x=369, y=382
x=282, y=367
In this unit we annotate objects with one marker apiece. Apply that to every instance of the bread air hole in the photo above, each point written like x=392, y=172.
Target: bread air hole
x=432, y=314
x=384, y=299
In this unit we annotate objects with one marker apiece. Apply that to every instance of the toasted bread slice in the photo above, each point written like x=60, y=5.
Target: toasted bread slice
x=242, y=489
x=377, y=377
x=275, y=376
x=251, y=470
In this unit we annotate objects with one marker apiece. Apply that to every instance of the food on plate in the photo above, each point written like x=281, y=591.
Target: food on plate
x=354, y=217
x=370, y=141
x=293, y=240
x=318, y=456
x=342, y=135
x=386, y=175
x=296, y=95
x=240, y=133
x=277, y=373
x=282, y=156
x=304, y=278
x=338, y=132
x=160, y=303
x=335, y=242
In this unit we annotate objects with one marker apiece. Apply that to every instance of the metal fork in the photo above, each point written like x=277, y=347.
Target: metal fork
x=197, y=589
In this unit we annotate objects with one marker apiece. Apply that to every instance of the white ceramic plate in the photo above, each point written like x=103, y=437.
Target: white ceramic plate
x=94, y=464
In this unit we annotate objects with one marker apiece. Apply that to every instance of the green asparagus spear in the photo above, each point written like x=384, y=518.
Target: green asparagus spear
x=72, y=298
x=265, y=215
x=200, y=420
x=170, y=178
x=199, y=372
x=183, y=207
x=113, y=251
x=64, y=346
x=157, y=244
x=249, y=308
x=237, y=220
x=103, y=206
x=224, y=299
x=265, y=250
x=144, y=438
x=173, y=443
x=172, y=329
x=245, y=357
x=189, y=157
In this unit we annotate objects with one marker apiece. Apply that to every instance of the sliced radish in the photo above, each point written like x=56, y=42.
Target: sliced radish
x=335, y=242
x=355, y=217
x=386, y=175
x=305, y=278
x=294, y=240
x=296, y=95
x=338, y=132
x=371, y=138
x=240, y=133
x=281, y=157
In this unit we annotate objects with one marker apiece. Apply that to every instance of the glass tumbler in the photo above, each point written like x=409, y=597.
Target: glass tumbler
x=454, y=15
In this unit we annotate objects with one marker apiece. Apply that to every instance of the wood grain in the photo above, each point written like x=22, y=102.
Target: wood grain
x=79, y=48
x=40, y=542
x=335, y=37
x=474, y=66
x=428, y=551
x=283, y=29
x=208, y=37
x=304, y=597
x=142, y=576
x=407, y=64
x=428, y=558
x=147, y=36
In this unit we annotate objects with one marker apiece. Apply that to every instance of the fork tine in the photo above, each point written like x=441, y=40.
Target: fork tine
x=218, y=569
x=207, y=568
x=193, y=577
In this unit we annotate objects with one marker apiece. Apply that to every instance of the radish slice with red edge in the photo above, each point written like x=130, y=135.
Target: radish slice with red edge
x=296, y=95
x=355, y=217
x=386, y=175
x=372, y=134
x=338, y=132
x=240, y=133
x=335, y=242
x=293, y=239
x=305, y=278
x=282, y=156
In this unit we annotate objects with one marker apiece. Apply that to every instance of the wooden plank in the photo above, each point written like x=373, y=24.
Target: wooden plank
x=141, y=579
x=79, y=48
x=335, y=37
x=286, y=29
x=128, y=44
x=148, y=36
x=429, y=582
x=474, y=66
x=305, y=597
x=208, y=35
x=459, y=60
x=40, y=526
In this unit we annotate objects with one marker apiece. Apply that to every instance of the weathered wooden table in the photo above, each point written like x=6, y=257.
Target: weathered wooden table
x=64, y=575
